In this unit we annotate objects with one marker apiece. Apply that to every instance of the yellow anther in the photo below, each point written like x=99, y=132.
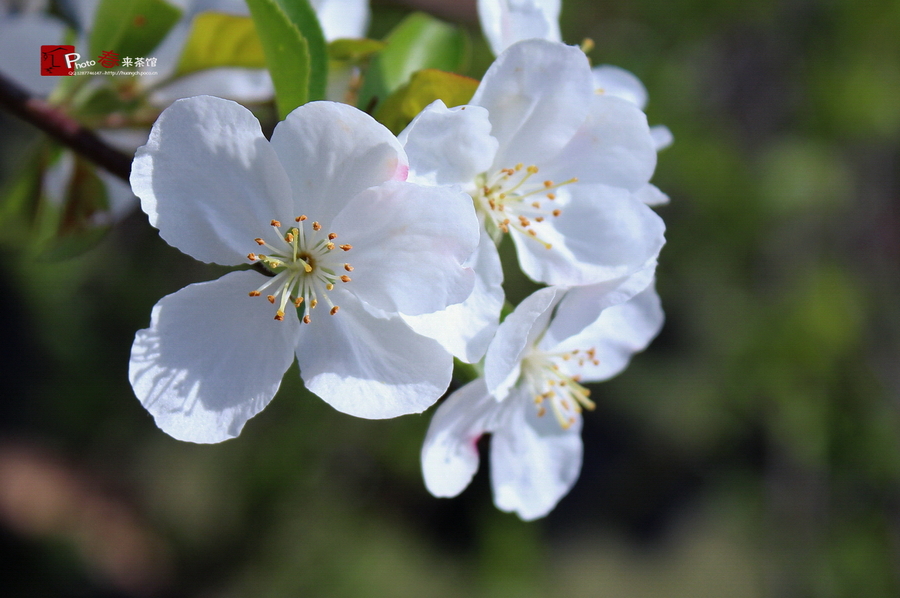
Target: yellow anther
x=271, y=299
x=348, y=267
x=251, y=257
x=259, y=241
x=548, y=184
x=557, y=212
x=306, y=319
x=329, y=287
x=298, y=301
x=317, y=226
x=275, y=223
x=551, y=196
x=332, y=236
x=313, y=303
x=532, y=169
x=346, y=247
x=519, y=166
x=536, y=205
x=289, y=237
x=279, y=315
x=334, y=310
x=541, y=412
x=254, y=293
x=300, y=218
x=345, y=278
x=539, y=219
x=329, y=246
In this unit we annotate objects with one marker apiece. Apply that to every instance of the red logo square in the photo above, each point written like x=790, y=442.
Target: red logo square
x=53, y=61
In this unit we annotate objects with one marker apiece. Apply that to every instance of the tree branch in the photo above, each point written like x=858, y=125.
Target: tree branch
x=63, y=128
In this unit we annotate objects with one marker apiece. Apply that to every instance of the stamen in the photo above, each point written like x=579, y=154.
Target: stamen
x=334, y=310
x=275, y=223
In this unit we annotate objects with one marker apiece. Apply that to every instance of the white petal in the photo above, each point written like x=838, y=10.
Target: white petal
x=342, y=18
x=332, y=152
x=409, y=245
x=450, y=450
x=448, y=145
x=537, y=94
x=505, y=22
x=209, y=180
x=21, y=38
x=534, y=462
x=371, y=367
x=248, y=86
x=212, y=358
x=621, y=331
x=602, y=234
x=612, y=147
x=466, y=329
x=614, y=81
x=514, y=338
x=651, y=195
x=581, y=306
x=662, y=137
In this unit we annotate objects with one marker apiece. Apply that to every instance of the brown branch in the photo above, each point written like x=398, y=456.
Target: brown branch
x=63, y=128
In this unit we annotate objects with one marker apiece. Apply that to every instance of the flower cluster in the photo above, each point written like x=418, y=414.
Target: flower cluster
x=374, y=259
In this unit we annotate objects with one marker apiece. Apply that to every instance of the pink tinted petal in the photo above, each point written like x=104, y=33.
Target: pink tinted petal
x=209, y=180
x=333, y=152
x=371, y=367
x=450, y=451
x=211, y=359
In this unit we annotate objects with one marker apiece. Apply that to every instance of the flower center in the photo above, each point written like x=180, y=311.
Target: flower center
x=512, y=198
x=305, y=268
x=550, y=377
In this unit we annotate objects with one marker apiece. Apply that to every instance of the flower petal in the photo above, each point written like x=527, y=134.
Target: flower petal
x=505, y=22
x=514, y=337
x=466, y=329
x=534, y=462
x=409, y=244
x=448, y=145
x=621, y=331
x=211, y=359
x=371, y=367
x=613, y=147
x=582, y=306
x=662, y=137
x=615, y=81
x=332, y=152
x=450, y=450
x=537, y=94
x=602, y=234
x=342, y=18
x=651, y=195
x=209, y=180
x=244, y=85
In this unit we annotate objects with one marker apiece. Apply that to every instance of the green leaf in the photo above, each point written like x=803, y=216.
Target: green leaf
x=354, y=50
x=418, y=42
x=221, y=40
x=130, y=27
x=302, y=15
x=423, y=88
x=286, y=52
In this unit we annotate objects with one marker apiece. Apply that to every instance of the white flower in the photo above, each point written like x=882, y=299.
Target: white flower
x=505, y=22
x=549, y=162
x=322, y=206
x=615, y=81
x=531, y=396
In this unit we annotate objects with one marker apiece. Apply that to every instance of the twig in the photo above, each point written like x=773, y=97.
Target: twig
x=63, y=128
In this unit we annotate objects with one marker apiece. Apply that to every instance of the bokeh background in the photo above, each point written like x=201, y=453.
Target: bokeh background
x=752, y=451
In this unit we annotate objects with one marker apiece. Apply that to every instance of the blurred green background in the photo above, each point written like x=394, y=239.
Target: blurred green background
x=752, y=451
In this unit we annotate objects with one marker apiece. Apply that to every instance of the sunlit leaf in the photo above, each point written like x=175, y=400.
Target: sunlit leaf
x=221, y=40
x=423, y=88
x=286, y=52
x=302, y=15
